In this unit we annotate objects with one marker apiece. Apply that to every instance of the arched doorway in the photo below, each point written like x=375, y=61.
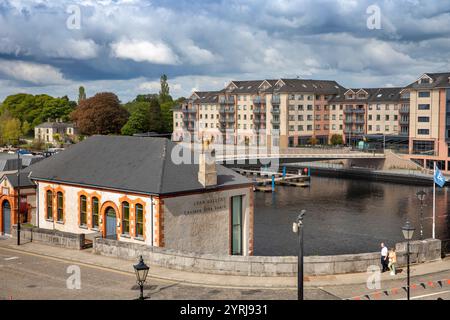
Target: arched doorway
x=6, y=217
x=110, y=221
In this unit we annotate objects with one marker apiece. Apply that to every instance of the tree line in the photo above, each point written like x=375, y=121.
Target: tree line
x=102, y=113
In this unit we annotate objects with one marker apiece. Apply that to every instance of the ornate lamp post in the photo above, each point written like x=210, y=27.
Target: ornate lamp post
x=421, y=196
x=408, y=231
x=297, y=227
x=141, y=270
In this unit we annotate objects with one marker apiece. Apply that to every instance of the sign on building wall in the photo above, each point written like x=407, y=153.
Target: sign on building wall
x=206, y=205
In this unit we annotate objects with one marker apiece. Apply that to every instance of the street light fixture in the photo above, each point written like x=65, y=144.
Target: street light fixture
x=408, y=232
x=141, y=270
x=421, y=196
x=297, y=227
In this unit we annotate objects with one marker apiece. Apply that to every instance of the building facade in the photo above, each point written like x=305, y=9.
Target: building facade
x=429, y=130
x=9, y=185
x=54, y=133
x=281, y=113
x=137, y=189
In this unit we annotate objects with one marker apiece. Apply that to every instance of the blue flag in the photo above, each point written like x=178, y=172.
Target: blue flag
x=439, y=178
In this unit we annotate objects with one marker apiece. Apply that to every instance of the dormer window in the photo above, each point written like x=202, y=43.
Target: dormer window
x=425, y=79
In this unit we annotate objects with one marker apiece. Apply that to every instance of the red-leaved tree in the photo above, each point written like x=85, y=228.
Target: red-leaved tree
x=100, y=114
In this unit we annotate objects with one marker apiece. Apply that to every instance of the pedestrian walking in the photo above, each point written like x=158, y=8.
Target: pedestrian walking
x=384, y=258
x=392, y=261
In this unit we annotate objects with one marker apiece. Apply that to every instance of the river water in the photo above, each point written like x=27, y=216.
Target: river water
x=344, y=216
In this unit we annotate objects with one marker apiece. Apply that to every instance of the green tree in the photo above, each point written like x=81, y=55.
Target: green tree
x=138, y=121
x=10, y=130
x=164, y=95
x=155, y=117
x=336, y=139
x=100, y=114
x=81, y=94
x=37, y=109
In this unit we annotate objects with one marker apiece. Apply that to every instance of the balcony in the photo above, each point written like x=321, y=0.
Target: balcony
x=404, y=110
x=359, y=111
x=348, y=110
x=259, y=120
x=359, y=121
x=275, y=99
x=275, y=121
x=259, y=100
x=230, y=120
x=275, y=111
x=348, y=121
x=226, y=100
x=226, y=109
x=258, y=110
x=189, y=110
x=403, y=121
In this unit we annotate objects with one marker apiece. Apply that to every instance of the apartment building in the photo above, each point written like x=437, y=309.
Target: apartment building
x=429, y=128
x=282, y=113
x=370, y=111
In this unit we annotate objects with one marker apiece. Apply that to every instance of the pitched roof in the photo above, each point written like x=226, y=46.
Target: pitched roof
x=55, y=125
x=374, y=95
x=207, y=96
x=440, y=80
x=131, y=164
x=24, y=180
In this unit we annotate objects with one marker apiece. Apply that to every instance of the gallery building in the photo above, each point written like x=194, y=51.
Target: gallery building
x=146, y=190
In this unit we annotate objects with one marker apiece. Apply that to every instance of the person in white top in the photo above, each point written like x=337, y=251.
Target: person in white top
x=384, y=257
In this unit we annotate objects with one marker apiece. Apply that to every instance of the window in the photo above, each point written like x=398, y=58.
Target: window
x=387, y=117
x=424, y=107
x=49, y=205
x=423, y=119
x=236, y=223
x=95, y=210
x=423, y=131
x=60, y=206
x=125, y=218
x=423, y=147
x=424, y=94
x=83, y=211
x=139, y=220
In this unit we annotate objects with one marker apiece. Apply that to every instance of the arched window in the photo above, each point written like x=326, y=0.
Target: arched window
x=83, y=211
x=125, y=218
x=95, y=212
x=60, y=206
x=49, y=212
x=139, y=220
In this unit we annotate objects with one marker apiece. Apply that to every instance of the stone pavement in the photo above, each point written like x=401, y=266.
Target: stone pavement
x=86, y=257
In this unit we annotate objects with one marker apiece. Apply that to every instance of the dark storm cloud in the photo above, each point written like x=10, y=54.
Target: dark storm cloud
x=127, y=44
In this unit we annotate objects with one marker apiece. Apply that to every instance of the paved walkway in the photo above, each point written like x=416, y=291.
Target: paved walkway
x=87, y=257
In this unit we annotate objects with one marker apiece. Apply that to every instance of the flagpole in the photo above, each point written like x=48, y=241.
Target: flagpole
x=434, y=201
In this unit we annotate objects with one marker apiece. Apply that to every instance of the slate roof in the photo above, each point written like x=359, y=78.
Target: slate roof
x=55, y=125
x=131, y=164
x=207, y=96
x=440, y=80
x=24, y=180
x=375, y=95
x=290, y=85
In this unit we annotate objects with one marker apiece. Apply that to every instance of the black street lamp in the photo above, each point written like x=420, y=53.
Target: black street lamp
x=408, y=231
x=297, y=227
x=421, y=196
x=141, y=270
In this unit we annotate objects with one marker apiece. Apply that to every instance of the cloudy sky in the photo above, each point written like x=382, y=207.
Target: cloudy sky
x=125, y=45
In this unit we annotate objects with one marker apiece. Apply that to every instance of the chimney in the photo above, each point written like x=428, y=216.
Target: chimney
x=207, y=173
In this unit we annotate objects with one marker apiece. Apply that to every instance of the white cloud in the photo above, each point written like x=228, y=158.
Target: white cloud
x=40, y=74
x=144, y=51
x=196, y=55
x=76, y=49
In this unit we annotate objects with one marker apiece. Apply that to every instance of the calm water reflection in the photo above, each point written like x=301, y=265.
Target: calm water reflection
x=344, y=216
